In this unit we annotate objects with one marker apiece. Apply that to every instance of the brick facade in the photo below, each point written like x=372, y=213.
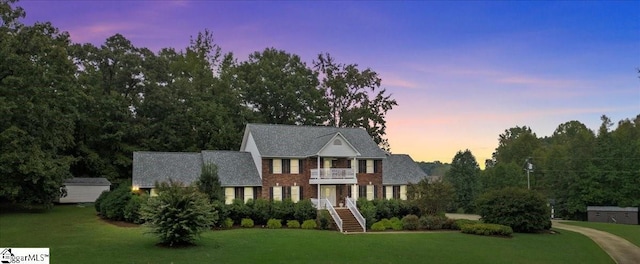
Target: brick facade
x=311, y=191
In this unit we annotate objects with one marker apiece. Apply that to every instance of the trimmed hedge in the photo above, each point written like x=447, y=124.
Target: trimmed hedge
x=227, y=223
x=432, y=222
x=459, y=223
x=246, y=222
x=309, y=224
x=293, y=224
x=274, y=223
x=378, y=226
x=396, y=224
x=521, y=209
x=487, y=229
x=410, y=222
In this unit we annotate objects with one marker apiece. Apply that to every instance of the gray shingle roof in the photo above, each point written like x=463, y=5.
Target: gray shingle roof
x=305, y=141
x=400, y=169
x=87, y=182
x=234, y=168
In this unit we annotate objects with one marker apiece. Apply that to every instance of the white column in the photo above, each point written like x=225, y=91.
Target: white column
x=318, y=181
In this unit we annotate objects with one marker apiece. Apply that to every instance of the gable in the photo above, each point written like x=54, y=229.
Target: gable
x=338, y=146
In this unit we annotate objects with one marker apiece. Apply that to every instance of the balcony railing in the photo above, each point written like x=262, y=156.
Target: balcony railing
x=333, y=173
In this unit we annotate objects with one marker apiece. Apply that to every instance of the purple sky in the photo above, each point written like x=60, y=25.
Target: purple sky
x=462, y=72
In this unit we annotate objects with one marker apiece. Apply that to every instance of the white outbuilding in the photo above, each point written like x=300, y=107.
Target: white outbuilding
x=83, y=190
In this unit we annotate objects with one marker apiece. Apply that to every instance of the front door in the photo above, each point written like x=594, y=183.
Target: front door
x=328, y=192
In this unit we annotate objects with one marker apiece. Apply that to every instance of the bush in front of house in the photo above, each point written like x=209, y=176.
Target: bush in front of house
x=260, y=210
x=304, y=210
x=238, y=210
x=284, y=209
x=178, y=214
x=485, y=229
x=432, y=222
x=396, y=224
x=410, y=222
x=223, y=212
x=274, y=223
x=386, y=223
x=293, y=224
x=378, y=226
x=227, y=223
x=132, y=209
x=324, y=220
x=101, y=198
x=112, y=207
x=309, y=224
x=521, y=209
x=246, y=222
x=368, y=211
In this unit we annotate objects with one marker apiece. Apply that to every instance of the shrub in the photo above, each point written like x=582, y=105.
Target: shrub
x=368, y=211
x=228, y=223
x=260, y=211
x=209, y=183
x=246, y=222
x=274, y=223
x=178, y=214
x=459, y=223
x=132, y=209
x=284, y=209
x=223, y=212
x=396, y=223
x=410, y=222
x=378, y=226
x=309, y=224
x=238, y=210
x=382, y=209
x=448, y=223
x=521, y=209
x=386, y=223
x=431, y=222
x=324, y=220
x=304, y=210
x=293, y=224
x=487, y=229
x=98, y=201
x=112, y=207
x=394, y=208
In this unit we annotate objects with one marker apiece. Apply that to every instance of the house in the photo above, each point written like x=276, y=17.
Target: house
x=277, y=162
x=613, y=214
x=83, y=190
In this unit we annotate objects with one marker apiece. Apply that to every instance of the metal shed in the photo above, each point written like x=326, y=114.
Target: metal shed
x=83, y=190
x=613, y=214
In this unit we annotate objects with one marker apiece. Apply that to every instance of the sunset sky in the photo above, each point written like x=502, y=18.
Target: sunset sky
x=462, y=72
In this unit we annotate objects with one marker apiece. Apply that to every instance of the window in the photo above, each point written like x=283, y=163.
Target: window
x=277, y=166
x=229, y=195
x=396, y=192
x=403, y=192
x=362, y=191
x=295, y=166
x=239, y=193
x=276, y=193
x=295, y=193
x=350, y=163
x=286, y=166
x=337, y=142
x=248, y=194
x=362, y=166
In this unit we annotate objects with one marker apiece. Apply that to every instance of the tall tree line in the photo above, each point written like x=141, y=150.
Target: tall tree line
x=69, y=109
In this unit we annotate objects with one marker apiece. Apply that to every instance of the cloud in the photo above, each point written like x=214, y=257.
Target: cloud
x=390, y=80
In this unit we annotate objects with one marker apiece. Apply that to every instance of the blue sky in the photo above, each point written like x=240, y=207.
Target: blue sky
x=462, y=72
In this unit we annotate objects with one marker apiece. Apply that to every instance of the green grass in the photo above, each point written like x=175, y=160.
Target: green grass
x=76, y=235
x=628, y=232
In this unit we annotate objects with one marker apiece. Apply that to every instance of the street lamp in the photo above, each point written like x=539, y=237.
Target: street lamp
x=529, y=168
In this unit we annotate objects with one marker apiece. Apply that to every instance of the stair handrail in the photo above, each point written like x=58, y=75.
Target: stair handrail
x=333, y=213
x=351, y=204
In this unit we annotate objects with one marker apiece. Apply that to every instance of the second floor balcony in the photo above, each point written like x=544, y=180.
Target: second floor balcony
x=333, y=175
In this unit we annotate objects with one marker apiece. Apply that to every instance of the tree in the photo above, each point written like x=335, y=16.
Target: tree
x=463, y=175
x=500, y=176
x=38, y=96
x=516, y=145
x=178, y=214
x=281, y=88
x=431, y=198
x=521, y=209
x=209, y=183
x=354, y=97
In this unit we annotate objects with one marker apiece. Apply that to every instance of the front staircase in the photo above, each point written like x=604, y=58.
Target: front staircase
x=349, y=222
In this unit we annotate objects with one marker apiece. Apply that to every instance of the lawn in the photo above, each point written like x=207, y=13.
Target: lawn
x=628, y=232
x=76, y=235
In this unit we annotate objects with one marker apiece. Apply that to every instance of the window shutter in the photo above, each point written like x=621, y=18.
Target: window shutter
x=271, y=166
x=301, y=166
x=300, y=193
x=384, y=192
x=295, y=166
x=376, y=163
x=229, y=194
x=271, y=193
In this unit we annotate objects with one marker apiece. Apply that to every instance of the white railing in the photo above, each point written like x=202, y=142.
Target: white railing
x=333, y=173
x=351, y=204
x=334, y=214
